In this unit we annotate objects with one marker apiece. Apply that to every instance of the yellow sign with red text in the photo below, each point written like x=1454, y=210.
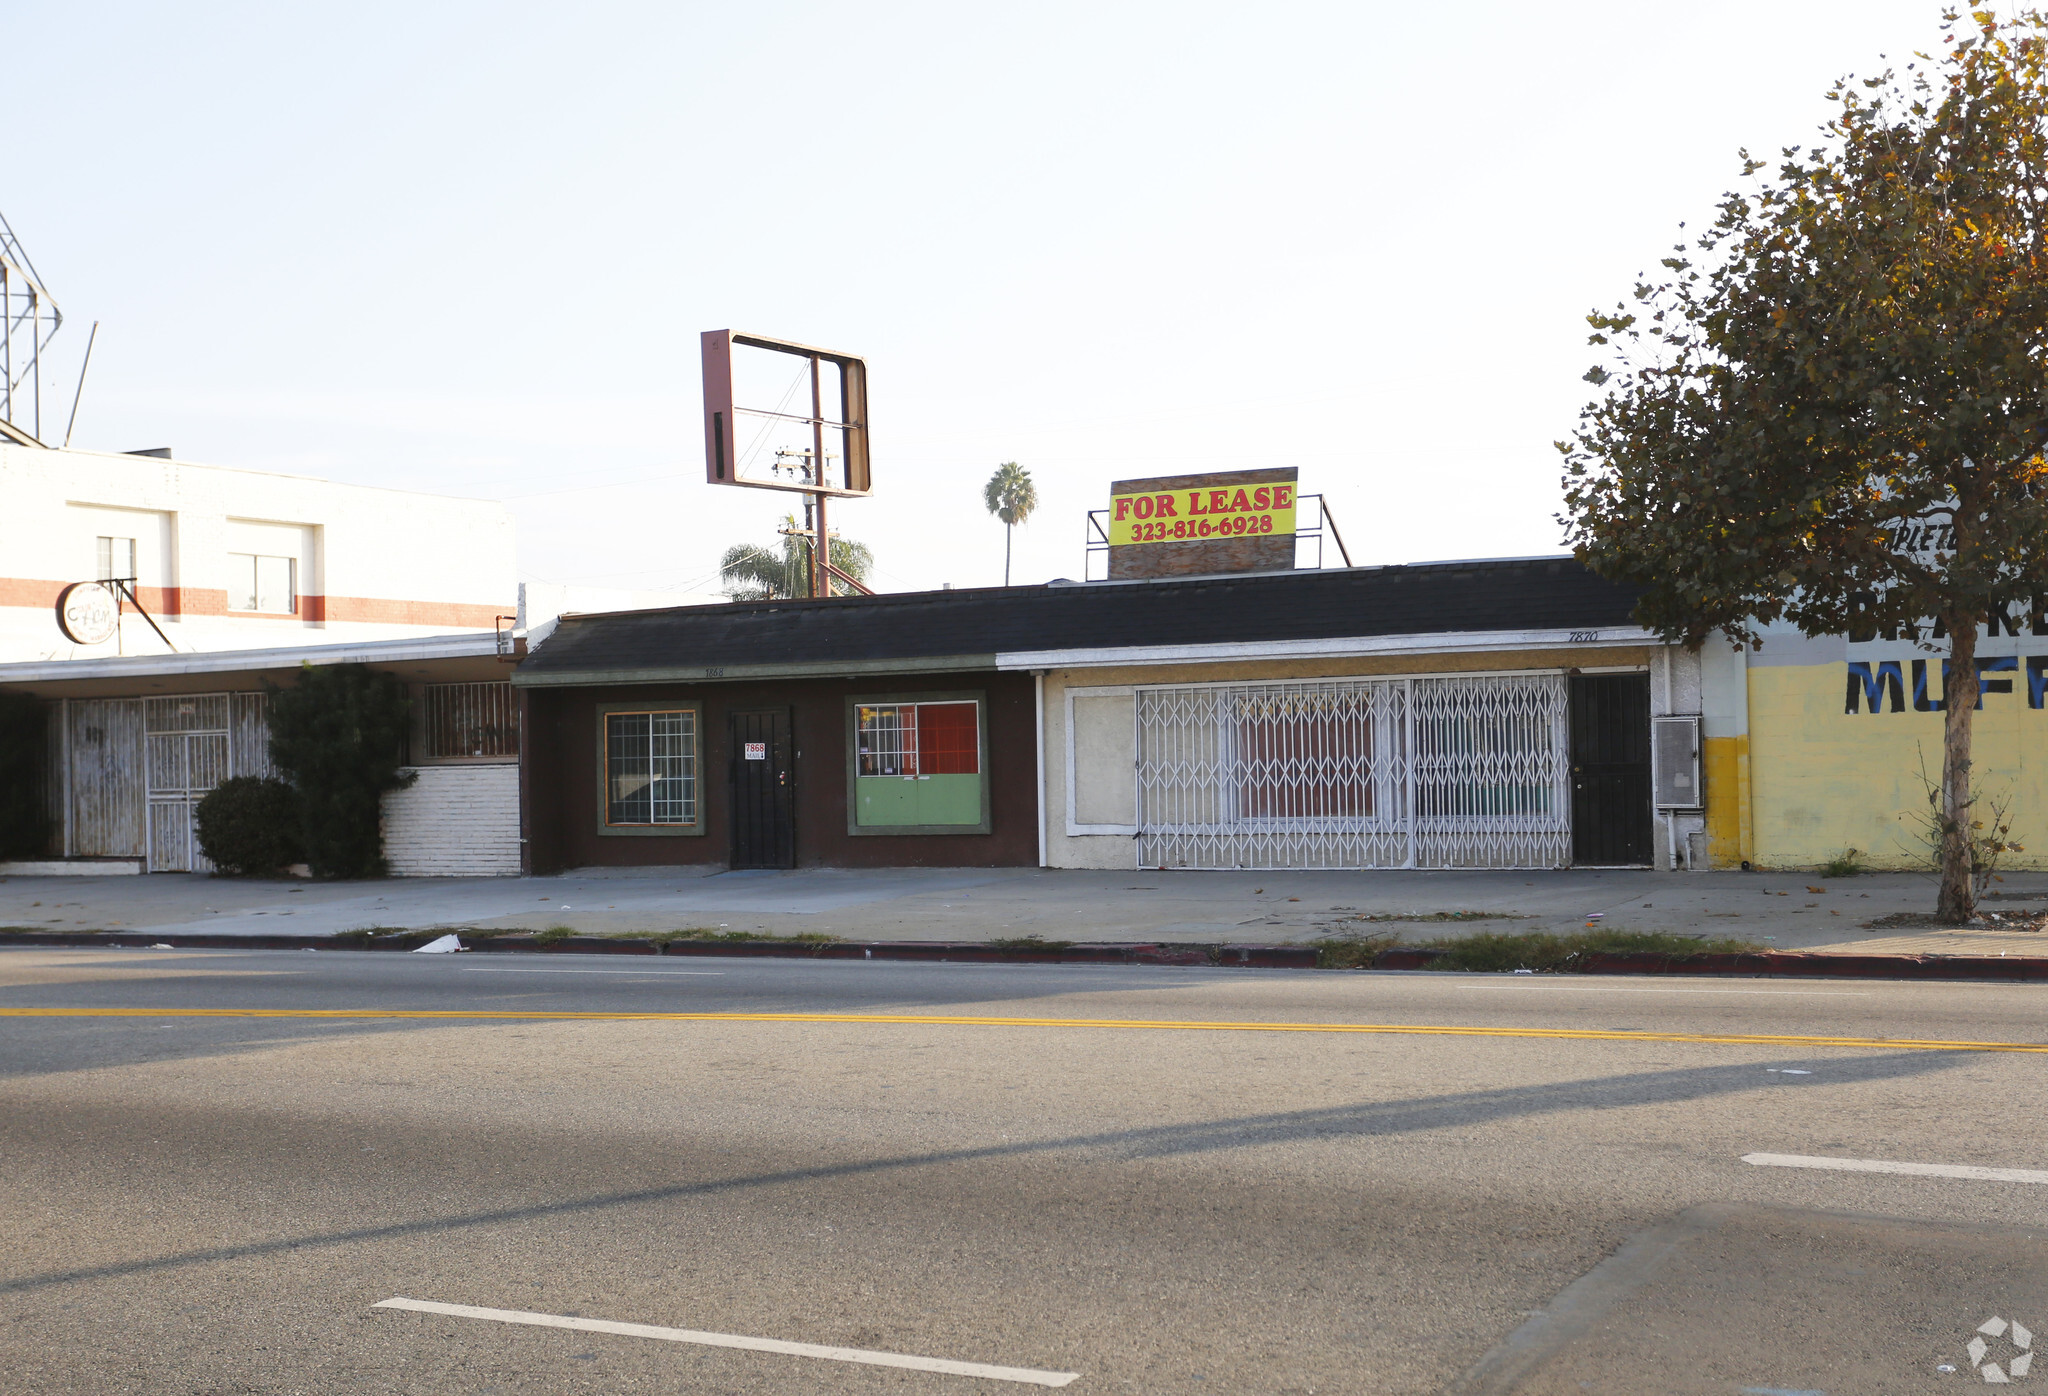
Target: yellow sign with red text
x=1182, y=516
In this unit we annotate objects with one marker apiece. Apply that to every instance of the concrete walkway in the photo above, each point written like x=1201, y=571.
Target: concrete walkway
x=1778, y=910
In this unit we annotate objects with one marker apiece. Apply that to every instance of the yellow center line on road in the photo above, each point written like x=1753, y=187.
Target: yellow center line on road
x=1731, y=1039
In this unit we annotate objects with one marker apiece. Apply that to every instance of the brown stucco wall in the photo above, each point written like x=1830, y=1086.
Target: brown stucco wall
x=561, y=780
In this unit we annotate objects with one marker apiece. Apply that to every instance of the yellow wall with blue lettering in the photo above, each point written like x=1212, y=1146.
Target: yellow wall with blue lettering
x=1821, y=779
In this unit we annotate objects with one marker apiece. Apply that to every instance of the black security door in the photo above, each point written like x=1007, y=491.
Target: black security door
x=763, y=791
x=1610, y=769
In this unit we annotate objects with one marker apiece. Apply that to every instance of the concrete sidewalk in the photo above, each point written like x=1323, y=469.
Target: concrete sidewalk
x=1776, y=910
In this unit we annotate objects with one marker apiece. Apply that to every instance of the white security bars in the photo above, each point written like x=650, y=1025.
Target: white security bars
x=1356, y=773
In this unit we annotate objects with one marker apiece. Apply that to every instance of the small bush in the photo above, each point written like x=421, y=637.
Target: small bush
x=249, y=826
x=338, y=735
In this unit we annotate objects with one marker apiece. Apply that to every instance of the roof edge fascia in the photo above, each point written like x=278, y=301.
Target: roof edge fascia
x=1446, y=642
x=737, y=673
x=231, y=661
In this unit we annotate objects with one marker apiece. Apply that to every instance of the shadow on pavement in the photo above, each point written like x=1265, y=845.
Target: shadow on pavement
x=1368, y=1120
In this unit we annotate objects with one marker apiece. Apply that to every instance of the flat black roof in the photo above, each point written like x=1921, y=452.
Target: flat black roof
x=909, y=630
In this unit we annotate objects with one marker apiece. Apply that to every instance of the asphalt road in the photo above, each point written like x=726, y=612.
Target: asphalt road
x=214, y=1204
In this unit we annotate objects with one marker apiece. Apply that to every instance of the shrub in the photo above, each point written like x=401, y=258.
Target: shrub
x=338, y=736
x=249, y=826
x=24, y=746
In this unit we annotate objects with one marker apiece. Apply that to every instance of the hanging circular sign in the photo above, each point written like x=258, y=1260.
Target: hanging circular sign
x=87, y=612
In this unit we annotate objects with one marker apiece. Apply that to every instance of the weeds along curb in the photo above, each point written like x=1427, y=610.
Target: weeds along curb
x=1771, y=964
x=1747, y=964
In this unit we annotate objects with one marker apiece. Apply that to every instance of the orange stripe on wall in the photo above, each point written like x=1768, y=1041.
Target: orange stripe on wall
x=379, y=611
x=211, y=601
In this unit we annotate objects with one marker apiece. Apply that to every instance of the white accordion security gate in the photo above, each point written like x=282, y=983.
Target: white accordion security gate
x=1453, y=772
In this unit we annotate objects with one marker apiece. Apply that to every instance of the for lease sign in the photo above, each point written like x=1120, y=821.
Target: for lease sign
x=1184, y=515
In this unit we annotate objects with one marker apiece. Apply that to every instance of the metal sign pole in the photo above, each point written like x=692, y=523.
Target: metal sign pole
x=821, y=561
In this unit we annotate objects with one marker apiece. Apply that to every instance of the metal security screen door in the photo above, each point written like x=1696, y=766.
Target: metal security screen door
x=763, y=797
x=192, y=743
x=1356, y=773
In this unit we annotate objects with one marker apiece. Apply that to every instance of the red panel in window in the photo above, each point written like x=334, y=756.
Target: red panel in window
x=947, y=740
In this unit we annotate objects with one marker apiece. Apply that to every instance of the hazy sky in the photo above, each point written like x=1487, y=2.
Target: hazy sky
x=468, y=248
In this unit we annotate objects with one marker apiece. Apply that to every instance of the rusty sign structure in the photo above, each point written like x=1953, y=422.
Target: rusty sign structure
x=785, y=449
x=29, y=319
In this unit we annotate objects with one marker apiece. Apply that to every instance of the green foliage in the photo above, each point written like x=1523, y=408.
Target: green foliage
x=1852, y=349
x=1031, y=942
x=783, y=573
x=1847, y=863
x=707, y=933
x=1827, y=409
x=1010, y=496
x=338, y=736
x=24, y=751
x=1542, y=951
x=250, y=826
x=1986, y=842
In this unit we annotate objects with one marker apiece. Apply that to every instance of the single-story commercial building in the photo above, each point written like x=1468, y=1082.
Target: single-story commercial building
x=1462, y=714
x=135, y=742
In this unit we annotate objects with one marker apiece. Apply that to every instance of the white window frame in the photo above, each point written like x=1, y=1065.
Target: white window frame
x=1076, y=829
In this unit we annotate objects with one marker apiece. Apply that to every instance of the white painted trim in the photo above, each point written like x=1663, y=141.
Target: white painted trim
x=1375, y=678
x=1078, y=830
x=1452, y=642
x=1038, y=702
x=470, y=646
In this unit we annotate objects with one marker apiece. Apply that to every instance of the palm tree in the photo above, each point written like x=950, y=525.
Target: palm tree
x=782, y=572
x=1011, y=497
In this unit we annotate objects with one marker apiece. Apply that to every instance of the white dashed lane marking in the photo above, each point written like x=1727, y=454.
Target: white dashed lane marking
x=1029, y=1375
x=1918, y=1170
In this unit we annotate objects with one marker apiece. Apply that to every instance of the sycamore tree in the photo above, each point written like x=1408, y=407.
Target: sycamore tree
x=1829, y=408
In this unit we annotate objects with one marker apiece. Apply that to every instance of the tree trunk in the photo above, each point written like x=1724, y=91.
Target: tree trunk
x=1007, y=531
x=1957, y=899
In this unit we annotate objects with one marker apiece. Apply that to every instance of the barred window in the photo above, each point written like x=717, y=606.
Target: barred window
x=468, y=722
x=920, y=739
x=651, y=768
x=918, y=765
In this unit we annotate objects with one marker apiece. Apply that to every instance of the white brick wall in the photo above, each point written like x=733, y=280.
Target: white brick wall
x=454, y=821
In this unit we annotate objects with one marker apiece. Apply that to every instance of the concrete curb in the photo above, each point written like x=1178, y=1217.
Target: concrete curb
x=1115, y=953
x=1752, y=964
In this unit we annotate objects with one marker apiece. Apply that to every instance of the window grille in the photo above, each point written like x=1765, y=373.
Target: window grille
x=919, y=739
x=651, y=768
x=468, y=722
x=1365, y=773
